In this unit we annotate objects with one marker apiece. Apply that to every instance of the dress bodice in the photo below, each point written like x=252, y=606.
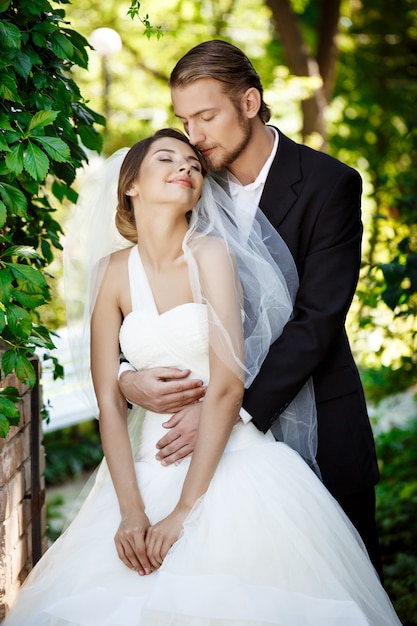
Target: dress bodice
x=175, y=338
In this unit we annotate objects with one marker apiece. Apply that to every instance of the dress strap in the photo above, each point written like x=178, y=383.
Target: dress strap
x=140, y=289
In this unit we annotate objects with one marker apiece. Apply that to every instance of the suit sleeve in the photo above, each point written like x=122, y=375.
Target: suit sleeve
x=328, y=277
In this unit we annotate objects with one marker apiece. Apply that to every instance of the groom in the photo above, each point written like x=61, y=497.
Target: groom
x=313, y=201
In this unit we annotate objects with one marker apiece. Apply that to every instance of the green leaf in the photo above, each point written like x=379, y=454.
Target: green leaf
x=31, y=279
x=8, y=361
x=393, y=272
x=11, y=136
x=10, y=410
x=10, y=35
x=45, y=27
x=11, y=393
x=4, y=122
x=28, y=184
x=64, y=191
x=80, y=44
x=6, y=280
x=35, y=59
x=42, y=119
x=24, y=370
x=40, y=337
x=392, y=296
x=2, y=320
x=27, y=252
x=4, y=146
x=14, y=199
x=29, y=301
x=4, y=426
x=3, y=214
x=39, y=40
x=61, y=46
x=54, y=147
x=47, y=251
x=22, y=64
x=91, y=138
x=4, y=5
x=36, y=162
x=14, y=360
x=8, y=88
x=19, y=321
x=87, y=116
x=14, y=160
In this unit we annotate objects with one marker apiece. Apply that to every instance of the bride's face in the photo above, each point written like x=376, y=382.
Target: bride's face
x=169, y=173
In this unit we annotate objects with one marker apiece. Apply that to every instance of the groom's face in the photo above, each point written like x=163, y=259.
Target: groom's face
x=214, y=123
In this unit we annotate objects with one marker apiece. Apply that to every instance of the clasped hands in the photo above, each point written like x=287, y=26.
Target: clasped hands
x=142, y=546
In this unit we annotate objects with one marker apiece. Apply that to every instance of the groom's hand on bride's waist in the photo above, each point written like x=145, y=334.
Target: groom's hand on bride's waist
x=160, y=389
x=179, y=442
x=180, y=439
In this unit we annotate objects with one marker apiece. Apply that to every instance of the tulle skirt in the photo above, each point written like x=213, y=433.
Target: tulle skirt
x=267, y=544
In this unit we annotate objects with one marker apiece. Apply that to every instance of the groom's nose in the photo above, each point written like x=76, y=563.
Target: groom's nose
x=195, y=133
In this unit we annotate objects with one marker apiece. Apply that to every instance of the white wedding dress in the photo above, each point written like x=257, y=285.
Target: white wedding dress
x=265, y=545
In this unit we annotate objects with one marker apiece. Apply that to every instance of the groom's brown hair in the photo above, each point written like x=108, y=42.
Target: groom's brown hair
x=220, y=61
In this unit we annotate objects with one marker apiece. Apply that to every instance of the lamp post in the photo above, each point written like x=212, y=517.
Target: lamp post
x=105, y=42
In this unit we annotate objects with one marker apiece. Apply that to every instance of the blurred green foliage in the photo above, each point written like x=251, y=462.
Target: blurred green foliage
x=397, y=517
x=71, y=451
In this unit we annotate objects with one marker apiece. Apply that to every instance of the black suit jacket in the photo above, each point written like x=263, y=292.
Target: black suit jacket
x=313, y=201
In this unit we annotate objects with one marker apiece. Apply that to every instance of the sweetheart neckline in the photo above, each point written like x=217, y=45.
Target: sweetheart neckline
x=159, y=315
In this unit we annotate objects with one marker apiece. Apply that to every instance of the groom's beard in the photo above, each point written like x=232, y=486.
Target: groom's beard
x=223, y=157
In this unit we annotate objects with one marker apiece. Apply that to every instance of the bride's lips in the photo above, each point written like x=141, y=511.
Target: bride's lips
x=184, y=182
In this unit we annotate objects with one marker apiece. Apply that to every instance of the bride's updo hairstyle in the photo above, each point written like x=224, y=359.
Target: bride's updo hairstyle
x=125, y=217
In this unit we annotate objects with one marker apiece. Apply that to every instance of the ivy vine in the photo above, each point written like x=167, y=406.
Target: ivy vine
x=45, y=129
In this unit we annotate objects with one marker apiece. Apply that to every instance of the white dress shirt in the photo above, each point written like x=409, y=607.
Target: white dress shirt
x=246, y=198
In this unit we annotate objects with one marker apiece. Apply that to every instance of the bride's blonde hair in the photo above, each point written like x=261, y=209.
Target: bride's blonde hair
x=125, y=217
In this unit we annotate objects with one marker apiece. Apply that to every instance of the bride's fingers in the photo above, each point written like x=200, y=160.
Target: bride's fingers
x=166, y=546
x=133, y=554
x=142, y=556
x=127, y=555
x=153, y=546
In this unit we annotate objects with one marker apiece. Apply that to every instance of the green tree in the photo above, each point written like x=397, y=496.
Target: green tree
x=373, y=121
x=45, y=126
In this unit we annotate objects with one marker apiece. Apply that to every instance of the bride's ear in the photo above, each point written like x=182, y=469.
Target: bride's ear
x=132, y=190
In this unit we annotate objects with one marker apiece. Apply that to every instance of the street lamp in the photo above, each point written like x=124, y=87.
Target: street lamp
x=105, y=42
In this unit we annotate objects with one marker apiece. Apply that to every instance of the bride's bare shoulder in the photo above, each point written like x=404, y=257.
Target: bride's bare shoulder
x=209, y=247
x=120, y=256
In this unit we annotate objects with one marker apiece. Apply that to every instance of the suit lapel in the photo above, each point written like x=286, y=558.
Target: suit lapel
x=280, y=191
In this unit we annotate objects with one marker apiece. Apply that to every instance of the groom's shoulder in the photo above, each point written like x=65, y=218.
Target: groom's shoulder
x=311, y=159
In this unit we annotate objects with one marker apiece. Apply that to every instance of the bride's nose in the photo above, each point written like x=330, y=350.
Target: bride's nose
x=185, y=167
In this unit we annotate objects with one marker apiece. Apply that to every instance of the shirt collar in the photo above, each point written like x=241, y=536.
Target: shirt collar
x=235, y=186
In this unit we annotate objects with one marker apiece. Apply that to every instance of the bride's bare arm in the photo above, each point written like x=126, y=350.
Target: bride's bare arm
x=222, y=402
x=105, y=326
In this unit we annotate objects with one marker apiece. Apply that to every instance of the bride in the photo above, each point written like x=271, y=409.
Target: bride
x=243, y=533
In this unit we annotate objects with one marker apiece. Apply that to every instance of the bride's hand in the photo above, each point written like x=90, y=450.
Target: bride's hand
x=161, y=536
x=130, y=542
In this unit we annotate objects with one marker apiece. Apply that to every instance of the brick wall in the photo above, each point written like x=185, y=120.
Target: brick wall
x=22, y=496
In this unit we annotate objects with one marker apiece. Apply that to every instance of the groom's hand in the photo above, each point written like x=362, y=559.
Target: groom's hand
x=179, y=442
x=161, y=389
